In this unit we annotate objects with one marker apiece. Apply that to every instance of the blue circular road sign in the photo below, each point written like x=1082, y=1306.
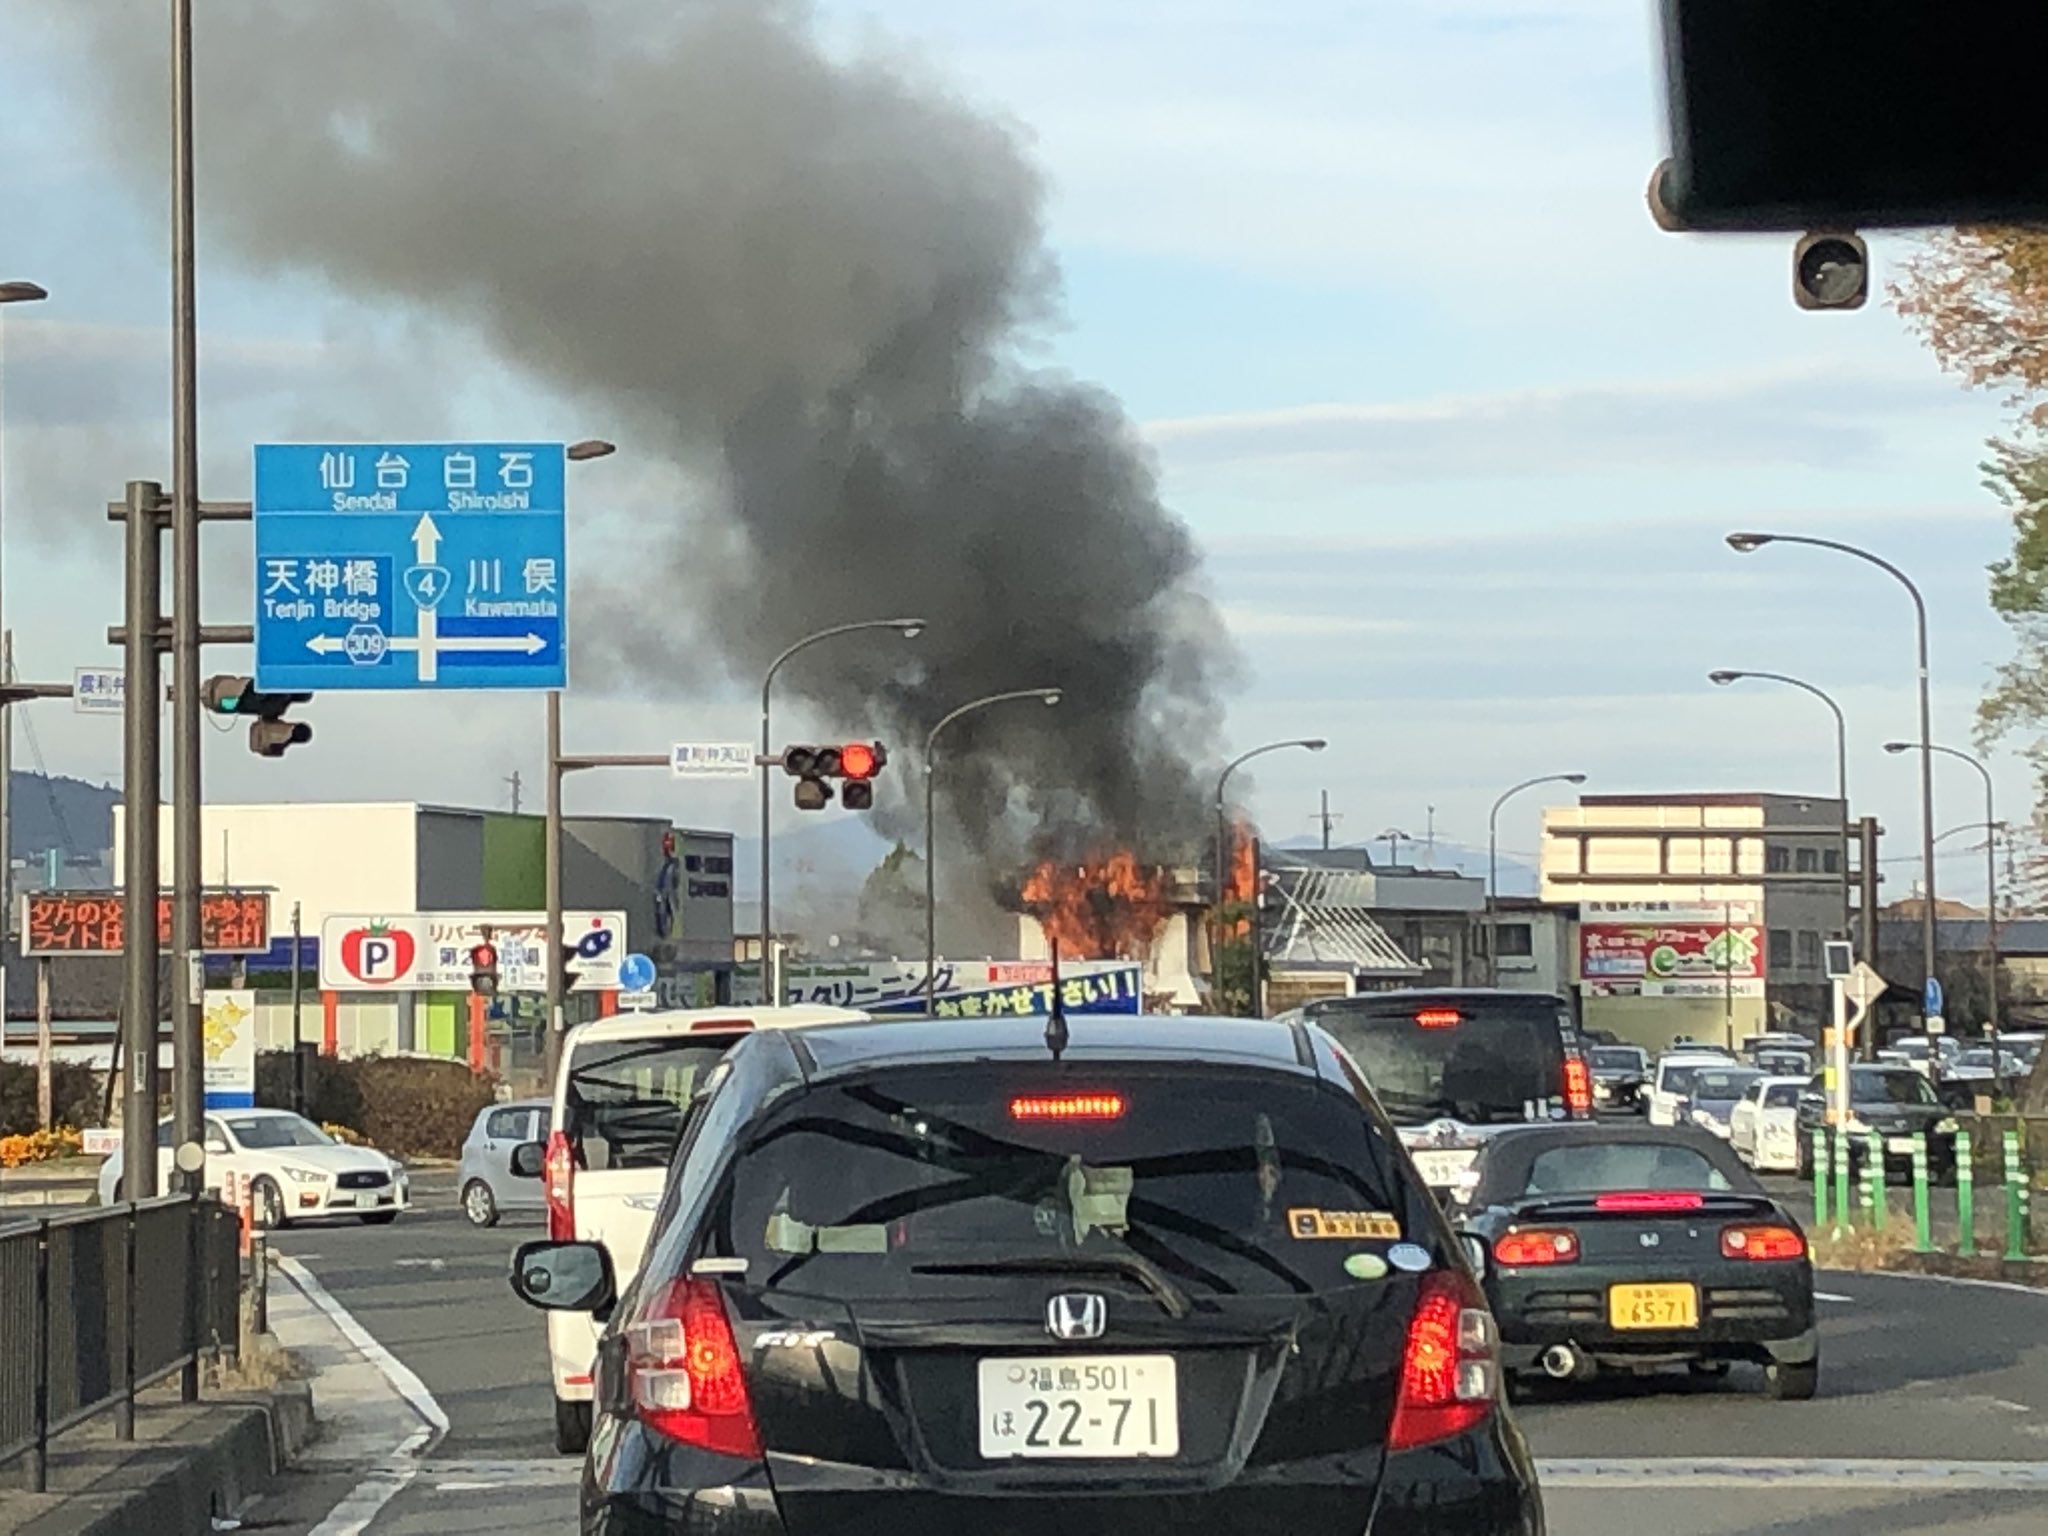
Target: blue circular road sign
x=636, y=973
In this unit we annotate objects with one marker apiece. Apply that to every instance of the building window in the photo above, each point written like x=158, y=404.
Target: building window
x=1809, y=950
x=1777, y=859
x=1781, y=949
x=1806, y=860
x=1517, y=941
x=1831, y=860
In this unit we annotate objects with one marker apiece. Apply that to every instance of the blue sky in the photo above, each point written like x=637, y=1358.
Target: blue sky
x=1459, y=430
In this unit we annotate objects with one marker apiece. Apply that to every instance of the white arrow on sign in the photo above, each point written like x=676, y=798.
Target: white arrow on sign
x=426, y=538
x=529, y=643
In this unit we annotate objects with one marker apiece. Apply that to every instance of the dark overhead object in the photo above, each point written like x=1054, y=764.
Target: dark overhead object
x=1830, y=272
x=1848, y=114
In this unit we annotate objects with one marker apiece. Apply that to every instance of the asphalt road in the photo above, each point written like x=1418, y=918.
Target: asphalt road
x=1921, y=1383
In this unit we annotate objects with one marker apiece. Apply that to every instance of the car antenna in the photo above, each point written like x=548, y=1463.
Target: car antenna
x=1056, y=1035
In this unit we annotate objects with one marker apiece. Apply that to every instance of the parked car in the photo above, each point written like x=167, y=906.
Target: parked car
x=1167, y=1272
x=1452, y=1067
x=1763, y=1128
x=1619, y=1246
x=1896, y=1102
x=488, y=1187
x=625, y=1086
x=296, y=1171
x=1619, y=1075
x=1673, y=1077
x=1711, y=1097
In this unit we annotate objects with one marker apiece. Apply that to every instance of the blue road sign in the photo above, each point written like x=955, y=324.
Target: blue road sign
x=410, y=566
x=636, y=974
x=1930, y=999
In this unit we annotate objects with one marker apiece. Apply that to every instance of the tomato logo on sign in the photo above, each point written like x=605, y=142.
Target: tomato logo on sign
x=377, y=955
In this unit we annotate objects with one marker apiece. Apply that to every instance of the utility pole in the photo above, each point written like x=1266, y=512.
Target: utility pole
x=298, y=1037
x=1328, y=818
x=1867, y=834
x=141, y=794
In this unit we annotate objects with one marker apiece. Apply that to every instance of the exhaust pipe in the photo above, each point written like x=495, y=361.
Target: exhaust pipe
x=1561, y=1362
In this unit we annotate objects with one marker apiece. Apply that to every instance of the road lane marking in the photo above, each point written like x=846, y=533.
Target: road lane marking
x=494, y=1476
x=394, y=1370
x=1783, y=1472
x=1831, y=1296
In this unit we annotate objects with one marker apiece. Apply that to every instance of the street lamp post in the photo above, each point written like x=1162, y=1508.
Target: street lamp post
x=1306, y=744
x=1046, y=696
x=910, y=629
x=1990, y=881
x=10, y=293
x=1723, y=678
x=1748, y=543
x=1493, y=864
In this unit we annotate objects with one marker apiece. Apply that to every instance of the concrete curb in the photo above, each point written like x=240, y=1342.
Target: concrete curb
x=233, y=1449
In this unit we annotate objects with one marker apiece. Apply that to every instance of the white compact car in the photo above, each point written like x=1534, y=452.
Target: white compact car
x=297, y=1172
x=623, y=1093
x=1763, y=1127
x=1674, y=1076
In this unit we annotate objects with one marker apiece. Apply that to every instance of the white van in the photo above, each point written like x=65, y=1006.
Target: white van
x=625, y=1085
x=1674, y=1076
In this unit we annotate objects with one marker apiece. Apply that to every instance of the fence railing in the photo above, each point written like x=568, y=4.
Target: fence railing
x=96, y=1305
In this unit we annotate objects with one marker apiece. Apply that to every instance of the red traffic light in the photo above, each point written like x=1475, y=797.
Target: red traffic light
x=857, y=761
x=484, y=957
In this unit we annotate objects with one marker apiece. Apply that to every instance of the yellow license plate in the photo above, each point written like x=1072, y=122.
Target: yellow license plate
x=1653, y=1306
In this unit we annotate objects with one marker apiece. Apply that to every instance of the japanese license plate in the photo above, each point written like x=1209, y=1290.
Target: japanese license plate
x=1899, y=1144
x=1653, y=1306
x=346, y=1197
x=1080, y=1407
x=1440, y=1169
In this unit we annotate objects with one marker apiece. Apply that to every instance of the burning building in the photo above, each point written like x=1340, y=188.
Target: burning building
x=1112, y=906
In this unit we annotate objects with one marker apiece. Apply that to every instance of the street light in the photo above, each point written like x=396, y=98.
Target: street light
x=1990, y=878
x=1046, y=696
x=1748, y=543
x=10, y=293
x=1306, y=744
x=1493, y=864
x=554, y=1003
x=1723, y=678
x=910, y=629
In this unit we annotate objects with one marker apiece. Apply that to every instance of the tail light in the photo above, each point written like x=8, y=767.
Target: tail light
x=558, y=1174
x=1578, y=1088
x=1534, y=1247
x=684, y=1374
x=1438, y=1018
x=1449, y=1376
x=1651, y=1202
x=1766, y=1243
x=1069, y=1106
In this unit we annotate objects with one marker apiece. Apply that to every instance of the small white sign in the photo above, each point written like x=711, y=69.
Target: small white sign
x=97, y=691
x=100, y=1141
x=713, y=760
x=636, y=1002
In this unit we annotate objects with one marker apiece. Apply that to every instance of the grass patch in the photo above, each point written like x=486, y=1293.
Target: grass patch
x=1861, y=1248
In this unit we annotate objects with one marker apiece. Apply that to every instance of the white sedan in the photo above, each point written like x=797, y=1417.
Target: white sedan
x=1763, y=1127
x=295, y=1170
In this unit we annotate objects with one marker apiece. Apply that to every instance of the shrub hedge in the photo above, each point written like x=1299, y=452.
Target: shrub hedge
x=409, y=1106
x=75, y=1090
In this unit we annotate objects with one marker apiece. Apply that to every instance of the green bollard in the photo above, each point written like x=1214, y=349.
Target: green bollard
x=1843, y=1216
x=1923, y=1233
x=1873, y=1179
x=1966, y=1196
x=1820, y=1177
x=2015, y=1199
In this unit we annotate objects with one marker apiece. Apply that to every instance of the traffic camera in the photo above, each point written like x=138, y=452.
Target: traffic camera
x=270, y=733
x=1830, y=271
x=483, y=967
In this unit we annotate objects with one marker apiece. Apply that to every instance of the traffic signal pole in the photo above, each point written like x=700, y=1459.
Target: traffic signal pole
x=141, y=792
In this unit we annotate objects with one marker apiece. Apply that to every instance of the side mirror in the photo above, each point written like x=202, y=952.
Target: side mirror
x=564, y=1277
x=1475, y=1252
x=529, y=1158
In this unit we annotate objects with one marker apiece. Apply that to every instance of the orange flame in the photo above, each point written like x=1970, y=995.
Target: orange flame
x=1109, y=908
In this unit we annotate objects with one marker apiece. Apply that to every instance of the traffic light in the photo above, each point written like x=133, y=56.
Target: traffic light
x=814, y=768
x=1830, y=271
x=859, y=763
x=483, y=967
x=270, y=734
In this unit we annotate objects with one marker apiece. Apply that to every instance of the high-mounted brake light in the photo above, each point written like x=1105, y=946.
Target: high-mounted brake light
x=1069, y=1106
x=733, y=1026
x=684, y=1372
x=1764, y=1243
x=1449, y=1376
x=1438, y=1018
x=558, y=1173
x=1578, y=1088
x=1534, y=1247
x=1651, y=1201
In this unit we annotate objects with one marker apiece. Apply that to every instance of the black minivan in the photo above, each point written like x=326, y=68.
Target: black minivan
x=1168, y=1274
x=1451, y=1066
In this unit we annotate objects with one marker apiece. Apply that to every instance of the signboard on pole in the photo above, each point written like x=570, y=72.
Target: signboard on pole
x=98, y=691
x=429, y=951
x=1712, y=950
x=962, y=990
x=228, y=1039
x=713, y=760
x=410, y=566
x=92, y=922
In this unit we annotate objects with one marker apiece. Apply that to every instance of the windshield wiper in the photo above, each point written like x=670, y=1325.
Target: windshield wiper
x=1128, y=1265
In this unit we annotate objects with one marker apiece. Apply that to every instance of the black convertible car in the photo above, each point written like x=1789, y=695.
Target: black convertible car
x=1631, y=1247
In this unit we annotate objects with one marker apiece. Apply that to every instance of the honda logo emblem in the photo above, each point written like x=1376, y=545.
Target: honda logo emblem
x=1074, y=1317
x=1647, y=1239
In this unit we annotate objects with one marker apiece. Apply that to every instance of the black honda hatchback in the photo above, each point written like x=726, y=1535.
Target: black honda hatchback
x=1169, y=1275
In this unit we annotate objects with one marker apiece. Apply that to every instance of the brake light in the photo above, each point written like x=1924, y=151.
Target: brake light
x=1763, y=1243
x=558, y=1173
x=1537, y=1246
x=1578, y=1087
x=1439, y=1018
x=1449, y=1376
x=1069, y=1106
x=723, y=1026
x=1651, y=1201
x=684, y=1374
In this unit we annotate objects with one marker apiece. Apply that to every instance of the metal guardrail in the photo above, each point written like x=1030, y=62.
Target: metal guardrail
x=96, y=1305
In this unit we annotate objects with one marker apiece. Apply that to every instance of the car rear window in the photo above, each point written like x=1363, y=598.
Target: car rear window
x=1715, y=1083
x=1615, y=1059
x=1482, y=1061
x=917, y=1181
x=1782, y=1096
x=1600, y=1167
x=624, y=1101
x=1868, y=1087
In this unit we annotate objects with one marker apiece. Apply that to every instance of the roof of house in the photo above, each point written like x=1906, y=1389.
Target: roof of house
x=1325, y=923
